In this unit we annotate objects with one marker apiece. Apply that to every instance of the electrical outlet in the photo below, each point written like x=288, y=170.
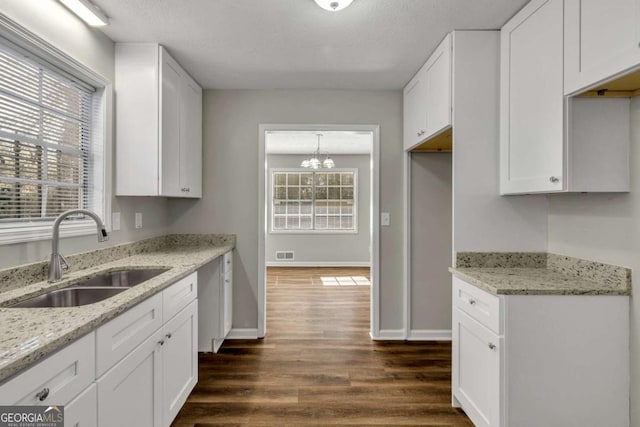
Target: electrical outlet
x=138, y=219
x=385, y=219
x=115, y=221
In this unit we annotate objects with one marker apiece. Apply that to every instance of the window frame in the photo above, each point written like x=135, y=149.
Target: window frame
x=314, y=231
x=21, y=39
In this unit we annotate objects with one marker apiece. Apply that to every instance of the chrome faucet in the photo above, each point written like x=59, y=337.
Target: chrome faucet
x=57, y=260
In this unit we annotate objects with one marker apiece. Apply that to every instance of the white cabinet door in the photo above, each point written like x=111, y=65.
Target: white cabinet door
x=415, y=111
x=83, y=410
x=191, y=139
x=438, y=89
x=130, y=394
x=228, y=305
x=532, y=101
x=476, y=370
x=170, y=106
x=180, y=360
x=602, y=39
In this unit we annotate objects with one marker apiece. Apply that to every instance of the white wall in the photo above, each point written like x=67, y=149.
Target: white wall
x=230, y=193
x=606, y=228
x=55, y=24
x=430, y=242
x=321, y=248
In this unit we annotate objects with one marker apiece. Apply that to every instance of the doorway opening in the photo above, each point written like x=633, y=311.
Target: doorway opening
x=318, y=231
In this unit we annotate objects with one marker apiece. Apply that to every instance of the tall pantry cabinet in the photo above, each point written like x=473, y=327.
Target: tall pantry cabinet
x=159, y=124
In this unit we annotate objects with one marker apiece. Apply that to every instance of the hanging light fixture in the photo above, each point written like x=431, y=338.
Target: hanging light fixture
x=314, y=162
x=333, y=5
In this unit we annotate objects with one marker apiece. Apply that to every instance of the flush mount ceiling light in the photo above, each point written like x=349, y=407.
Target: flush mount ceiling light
x=87, y=11
x=333, y=5
x=315, y=163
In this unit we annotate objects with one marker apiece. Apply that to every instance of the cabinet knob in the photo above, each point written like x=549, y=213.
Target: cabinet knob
x=554, y=179
x=472, y=302
x=161, y=342
x=168, y=335
x=42, y=395
x=492, y=346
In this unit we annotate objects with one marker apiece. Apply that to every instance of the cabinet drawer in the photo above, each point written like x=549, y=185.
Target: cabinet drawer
x=57, y=379
x=179, y=295
x=227, y=263
x=114, y=340
x=83, y=410
x=480, y=305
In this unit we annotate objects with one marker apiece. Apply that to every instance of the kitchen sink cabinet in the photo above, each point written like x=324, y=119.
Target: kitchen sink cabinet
x=602, y=39
x=548, y=142
x=540, y=360
x=83, y=410
x=215, y=296
x=427, y=98
x=158, y=124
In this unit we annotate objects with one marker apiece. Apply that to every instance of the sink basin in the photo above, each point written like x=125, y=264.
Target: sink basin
x=120, y=278
x=70, y=297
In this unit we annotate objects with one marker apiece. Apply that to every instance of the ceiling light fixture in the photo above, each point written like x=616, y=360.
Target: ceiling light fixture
x=315, y=163
x=333, y=5
x=87, y=11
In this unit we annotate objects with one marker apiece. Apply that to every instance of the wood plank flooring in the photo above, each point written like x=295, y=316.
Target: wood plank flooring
x=318, y=366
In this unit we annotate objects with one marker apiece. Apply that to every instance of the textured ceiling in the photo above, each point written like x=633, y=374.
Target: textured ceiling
x=331, y=142
x=276, y=44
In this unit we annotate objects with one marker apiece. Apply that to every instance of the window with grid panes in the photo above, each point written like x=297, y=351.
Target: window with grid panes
x=304, y=200
x=45, y=140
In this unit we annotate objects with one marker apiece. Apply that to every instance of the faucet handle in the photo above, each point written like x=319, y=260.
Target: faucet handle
x=63, y=261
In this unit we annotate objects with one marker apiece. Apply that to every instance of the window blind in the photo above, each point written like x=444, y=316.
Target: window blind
x=45, y=140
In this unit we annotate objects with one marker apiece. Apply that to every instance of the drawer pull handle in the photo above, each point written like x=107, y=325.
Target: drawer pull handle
x=161, y=342
x=42, y=395
x=472, y=302
x=554, y=179
x=168, y=335
x=492, y=346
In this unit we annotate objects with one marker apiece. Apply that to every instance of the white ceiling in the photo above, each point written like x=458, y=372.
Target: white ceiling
x=331, y=142
x=277, y=44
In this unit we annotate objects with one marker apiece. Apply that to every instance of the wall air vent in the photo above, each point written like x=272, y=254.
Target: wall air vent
x=284, y=256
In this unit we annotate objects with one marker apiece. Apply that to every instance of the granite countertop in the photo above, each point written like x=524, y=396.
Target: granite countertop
x=30, y=334
x=538, y=273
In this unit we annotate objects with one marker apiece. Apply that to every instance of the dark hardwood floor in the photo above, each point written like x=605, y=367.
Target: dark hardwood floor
x=318, y=366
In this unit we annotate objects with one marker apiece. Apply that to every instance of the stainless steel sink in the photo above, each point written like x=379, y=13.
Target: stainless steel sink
x=70, y=297
x=94, y=289
x=120, y=278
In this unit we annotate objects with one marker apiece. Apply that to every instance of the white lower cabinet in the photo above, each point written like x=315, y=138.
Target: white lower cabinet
x=83, y=410
x=540, y=360
x=130, y=393
x=215, y=299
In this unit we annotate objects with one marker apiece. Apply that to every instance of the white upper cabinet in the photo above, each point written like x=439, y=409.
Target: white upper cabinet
x=427, y=98
x=158, y=124
x=549, y=142
x=602, y=39
x=532, y=101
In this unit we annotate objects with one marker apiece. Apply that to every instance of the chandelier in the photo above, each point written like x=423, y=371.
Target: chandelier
x=314, y=162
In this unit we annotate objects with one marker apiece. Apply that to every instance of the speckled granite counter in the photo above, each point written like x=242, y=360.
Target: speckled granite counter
x=29, y=334
x=536, y=273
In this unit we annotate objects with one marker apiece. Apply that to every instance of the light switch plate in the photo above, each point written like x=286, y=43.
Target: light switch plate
x=385, y=219
x=138, y=219
x=115, y=221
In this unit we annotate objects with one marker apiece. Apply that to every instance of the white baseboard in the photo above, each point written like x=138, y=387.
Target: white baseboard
x=389, y=334
x=243, y=334
x=429, y=335
x=318, y=264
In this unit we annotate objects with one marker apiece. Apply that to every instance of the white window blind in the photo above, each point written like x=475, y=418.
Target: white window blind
x=314, y=201
x=45, y=140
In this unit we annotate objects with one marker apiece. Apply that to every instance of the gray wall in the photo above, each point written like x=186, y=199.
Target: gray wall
x=430, y=241
x=54, y=23
x=323, y=248
x=606, y=228
x=230, y=193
